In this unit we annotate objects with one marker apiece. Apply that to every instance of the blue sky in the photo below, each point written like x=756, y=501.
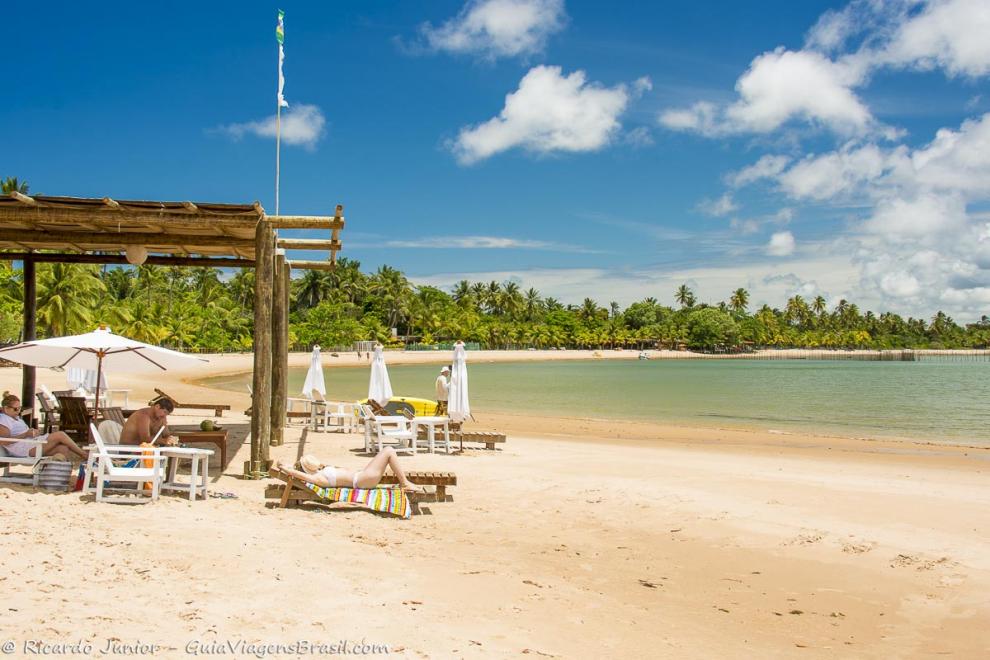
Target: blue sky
x=588, y=149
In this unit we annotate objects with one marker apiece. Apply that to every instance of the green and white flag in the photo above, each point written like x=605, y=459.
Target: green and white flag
x=280, y=36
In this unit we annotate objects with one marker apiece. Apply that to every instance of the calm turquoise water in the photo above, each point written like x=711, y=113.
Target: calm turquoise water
x=926, y=400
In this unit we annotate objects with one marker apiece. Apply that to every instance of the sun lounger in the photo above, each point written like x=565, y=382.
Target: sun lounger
x=488, y=438
x=33, y=462
x=217, y=408
x=294, y=491
x=383, y=500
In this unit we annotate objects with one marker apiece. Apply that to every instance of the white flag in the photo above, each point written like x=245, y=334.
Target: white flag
x=280, y=36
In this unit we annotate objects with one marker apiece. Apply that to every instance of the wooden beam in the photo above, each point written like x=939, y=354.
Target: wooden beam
x=280, y=349
x=307, y=244
x=306, y=222
x=45, y=238
x=169, y=218
x=312, y=265
x=69, y=258
x=257, y=467
x=30, y=201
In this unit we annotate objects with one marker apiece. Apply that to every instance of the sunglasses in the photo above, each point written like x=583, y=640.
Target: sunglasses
x=13, y=407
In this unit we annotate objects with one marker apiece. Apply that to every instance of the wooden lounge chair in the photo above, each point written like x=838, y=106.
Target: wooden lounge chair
x=217, y=408
x=114, y=413
x=49, y=411
x=294, y=492
x=488, y=438
x=74, y=417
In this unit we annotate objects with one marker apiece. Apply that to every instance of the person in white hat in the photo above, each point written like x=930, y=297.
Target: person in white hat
x=443, y=387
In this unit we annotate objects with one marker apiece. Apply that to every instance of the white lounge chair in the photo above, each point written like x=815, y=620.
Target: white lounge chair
x=394, y=430
x=34, y=462
x=102, y=467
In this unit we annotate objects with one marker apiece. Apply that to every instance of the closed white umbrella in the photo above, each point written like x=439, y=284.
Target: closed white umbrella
x=98, y=350
x=379, y=387
x=77, y=377
x=458, y=406
x=314, y=377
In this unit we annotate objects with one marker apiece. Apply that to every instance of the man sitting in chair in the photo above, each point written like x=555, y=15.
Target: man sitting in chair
x=143, y=425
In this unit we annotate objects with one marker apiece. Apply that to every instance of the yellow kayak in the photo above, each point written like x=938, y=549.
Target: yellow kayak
x=418, y=407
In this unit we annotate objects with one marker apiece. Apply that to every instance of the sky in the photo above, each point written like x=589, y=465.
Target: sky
x=586, y=149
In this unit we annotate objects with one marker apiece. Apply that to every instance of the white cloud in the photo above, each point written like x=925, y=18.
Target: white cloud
x=839, y=172
x=766, y=167
x=485, y=242
x=724, y=205
x=302, y=125
x=549, y=112
x=498, y=28
x=781, y=244
x=953, y=35
x=745, y=227
x=779, y=86
x=922, y=217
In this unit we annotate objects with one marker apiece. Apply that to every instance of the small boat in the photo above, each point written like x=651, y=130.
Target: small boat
x=418, y=407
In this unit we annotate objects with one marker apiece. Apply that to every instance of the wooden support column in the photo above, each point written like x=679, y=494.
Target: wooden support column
x=261, y=416
x=280, y=348
x=28, y=377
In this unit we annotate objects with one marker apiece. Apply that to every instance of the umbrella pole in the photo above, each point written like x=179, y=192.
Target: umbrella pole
x=99, y=377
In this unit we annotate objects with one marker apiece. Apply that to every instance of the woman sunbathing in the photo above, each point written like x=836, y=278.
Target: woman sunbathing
x=13, y=428
x=328, y=476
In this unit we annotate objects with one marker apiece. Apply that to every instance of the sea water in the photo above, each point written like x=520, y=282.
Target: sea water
x=931, y=401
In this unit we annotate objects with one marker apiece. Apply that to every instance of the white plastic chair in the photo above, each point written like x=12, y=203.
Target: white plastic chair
x=394, y=430
x=102, y=467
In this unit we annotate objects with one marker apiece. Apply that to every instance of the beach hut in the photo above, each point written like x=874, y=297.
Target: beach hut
x=103, y=230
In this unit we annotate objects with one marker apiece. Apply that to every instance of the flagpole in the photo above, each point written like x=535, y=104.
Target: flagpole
x=278, y=149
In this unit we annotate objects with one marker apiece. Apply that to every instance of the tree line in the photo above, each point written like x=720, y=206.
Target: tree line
x=205, y=308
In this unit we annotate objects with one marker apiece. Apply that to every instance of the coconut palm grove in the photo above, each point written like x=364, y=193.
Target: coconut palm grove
x=211, y=310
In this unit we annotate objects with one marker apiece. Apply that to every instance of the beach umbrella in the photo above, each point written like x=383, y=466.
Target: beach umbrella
x=458, y=406
x=314, y=377
x=379, y=387
x=98, y=350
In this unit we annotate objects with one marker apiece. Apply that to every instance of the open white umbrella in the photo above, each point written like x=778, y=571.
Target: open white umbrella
x=314, y=377
x=458, y=406
x=379, y=387
x=98, y=350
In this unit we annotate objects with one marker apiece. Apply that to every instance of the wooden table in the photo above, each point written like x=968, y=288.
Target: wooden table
x=218, y=438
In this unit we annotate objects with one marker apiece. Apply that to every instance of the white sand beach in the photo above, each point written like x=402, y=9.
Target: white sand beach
x=577, y=538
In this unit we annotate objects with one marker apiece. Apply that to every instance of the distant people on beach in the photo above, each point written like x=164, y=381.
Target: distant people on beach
x=13, y=432
x=442, y=390
x=144, y=424
x=328, y=476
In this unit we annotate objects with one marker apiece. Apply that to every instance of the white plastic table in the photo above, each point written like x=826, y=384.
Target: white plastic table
x=199, y=470
x=431, y=423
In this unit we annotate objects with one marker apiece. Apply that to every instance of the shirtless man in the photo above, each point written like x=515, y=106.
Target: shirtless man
x=143, y=424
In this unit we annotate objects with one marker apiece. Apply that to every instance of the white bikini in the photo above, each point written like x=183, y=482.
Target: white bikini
x=330, y=472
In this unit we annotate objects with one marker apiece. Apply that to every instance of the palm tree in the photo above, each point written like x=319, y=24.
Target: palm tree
x=818, y=305
x=684, y=296
x=11, y=184
x=739, y=300
x=531, y=303
x=66, y=293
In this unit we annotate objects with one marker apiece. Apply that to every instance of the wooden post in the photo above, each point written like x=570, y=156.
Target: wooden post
x=280, y=348
x=28, y=378
x=257, y=467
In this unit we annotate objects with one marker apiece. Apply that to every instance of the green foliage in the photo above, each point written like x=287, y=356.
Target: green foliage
x=710, y=327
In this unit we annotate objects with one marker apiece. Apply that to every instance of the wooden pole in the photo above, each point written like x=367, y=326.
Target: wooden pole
x=28, y=374
x=257, y=467
x=280, y=349
x=77, y=258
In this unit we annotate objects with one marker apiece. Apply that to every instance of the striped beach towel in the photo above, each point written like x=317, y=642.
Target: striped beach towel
x=386, y=500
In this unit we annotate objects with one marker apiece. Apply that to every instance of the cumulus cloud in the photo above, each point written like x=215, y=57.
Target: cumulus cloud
x=724, y=205
x=550, y=112
x=781, y=244
x=766, y=167
x=498, y=28
x=302, y=125
x=779, y=86
x=950, y=35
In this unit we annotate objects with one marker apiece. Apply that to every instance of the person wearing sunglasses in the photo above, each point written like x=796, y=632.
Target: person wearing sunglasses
x=13, y=430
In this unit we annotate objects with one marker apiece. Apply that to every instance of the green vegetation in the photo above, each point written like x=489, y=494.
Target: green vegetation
x=202, y=308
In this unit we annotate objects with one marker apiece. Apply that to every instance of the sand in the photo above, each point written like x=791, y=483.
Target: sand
x=579, y=538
